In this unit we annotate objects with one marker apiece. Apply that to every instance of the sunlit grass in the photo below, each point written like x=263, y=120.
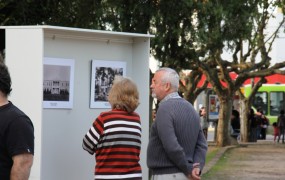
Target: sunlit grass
x=220, y=165
x=212, y=151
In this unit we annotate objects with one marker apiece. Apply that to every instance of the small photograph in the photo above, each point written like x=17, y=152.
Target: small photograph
x=103, y=75
x=104, y=78
x=214, y=106
x=58, y=83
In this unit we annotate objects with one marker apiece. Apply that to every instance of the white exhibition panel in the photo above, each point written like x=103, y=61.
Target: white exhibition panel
x=58, y=131
x=24, y=52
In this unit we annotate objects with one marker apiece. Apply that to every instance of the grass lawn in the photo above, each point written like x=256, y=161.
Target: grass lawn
x=211, y=153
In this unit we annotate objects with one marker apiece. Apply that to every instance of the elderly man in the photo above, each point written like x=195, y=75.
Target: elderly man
x=177, y=147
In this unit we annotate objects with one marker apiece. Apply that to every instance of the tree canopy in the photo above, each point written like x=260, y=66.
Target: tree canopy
x=189, y=34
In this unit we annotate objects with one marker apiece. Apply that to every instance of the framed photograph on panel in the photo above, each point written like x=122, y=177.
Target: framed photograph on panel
x=102, y=77
x=58, y=83
x=214, y=106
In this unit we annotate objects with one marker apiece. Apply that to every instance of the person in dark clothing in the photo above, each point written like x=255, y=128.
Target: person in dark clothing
x=252, y=126
x=204, y=121
x=264, y=122
x=235, y=120
x=281, y=125
x=275, y=131
x=16, y=135
x=258, y=118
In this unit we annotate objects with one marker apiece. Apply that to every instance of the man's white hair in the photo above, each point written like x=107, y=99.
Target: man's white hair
x=171, y=76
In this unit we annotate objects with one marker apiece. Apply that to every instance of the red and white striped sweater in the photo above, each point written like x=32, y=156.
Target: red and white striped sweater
x=115, y=138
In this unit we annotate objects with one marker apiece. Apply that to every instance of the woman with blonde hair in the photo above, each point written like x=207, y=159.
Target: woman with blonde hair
x=115, y=136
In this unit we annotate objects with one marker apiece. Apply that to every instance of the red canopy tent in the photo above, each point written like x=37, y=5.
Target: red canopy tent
x=272, y=79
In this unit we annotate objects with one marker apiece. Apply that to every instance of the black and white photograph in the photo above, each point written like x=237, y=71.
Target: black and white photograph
x=103, y=74
x=58, y=83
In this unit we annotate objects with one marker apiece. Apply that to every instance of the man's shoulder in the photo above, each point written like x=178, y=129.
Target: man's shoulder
x=10, y=107
x=17, y=115
x=18, y=112
x=175, y=100
x=177, y=104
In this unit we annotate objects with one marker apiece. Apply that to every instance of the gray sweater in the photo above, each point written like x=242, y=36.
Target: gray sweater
x=176, y=139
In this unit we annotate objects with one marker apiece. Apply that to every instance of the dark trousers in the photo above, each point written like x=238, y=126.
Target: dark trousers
x=252, y=135
x=258, y=129
x=263, y=133
x=281, y=133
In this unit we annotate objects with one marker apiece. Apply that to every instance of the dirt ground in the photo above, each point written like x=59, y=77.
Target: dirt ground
x=263, y=161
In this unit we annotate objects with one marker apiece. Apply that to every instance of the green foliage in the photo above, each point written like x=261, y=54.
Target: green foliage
x=189, y=34
x=173, y=44
x=128, y=15
x=119, y=15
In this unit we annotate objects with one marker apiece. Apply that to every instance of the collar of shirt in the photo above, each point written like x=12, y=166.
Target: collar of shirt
x=170, y=96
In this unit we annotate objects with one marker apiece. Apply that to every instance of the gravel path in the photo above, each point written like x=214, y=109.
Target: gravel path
x=264, y=160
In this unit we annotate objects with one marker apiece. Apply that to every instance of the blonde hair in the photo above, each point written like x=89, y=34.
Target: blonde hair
x=124, y=94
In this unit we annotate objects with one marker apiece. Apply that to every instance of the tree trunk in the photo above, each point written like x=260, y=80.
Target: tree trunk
x=189, y=96
x=225, y=112
x=245, y=109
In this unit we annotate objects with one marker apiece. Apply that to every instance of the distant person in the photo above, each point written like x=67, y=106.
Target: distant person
x=235, y=120
x=204, y=121
x=252, y=126
x=275, y=131
x=264, y=125
x=281, y=125
x=258, y=117
x=259, y=101
x=16, y=135
x=177, y=147
x=115, y=135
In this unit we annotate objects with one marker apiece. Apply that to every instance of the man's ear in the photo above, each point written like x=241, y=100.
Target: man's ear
x=168, y=86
